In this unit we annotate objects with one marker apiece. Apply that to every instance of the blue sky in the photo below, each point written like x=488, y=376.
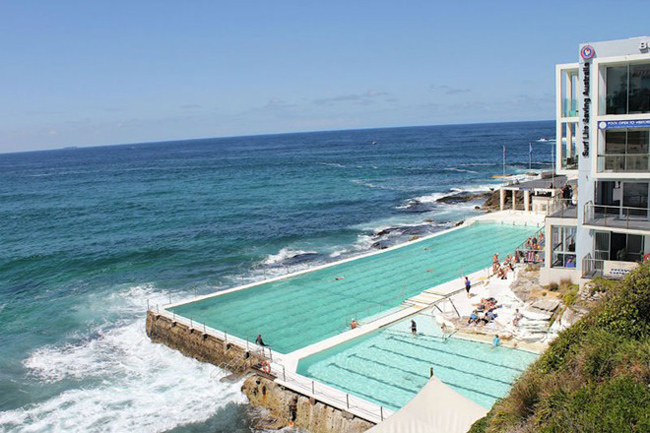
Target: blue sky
x=83, y=73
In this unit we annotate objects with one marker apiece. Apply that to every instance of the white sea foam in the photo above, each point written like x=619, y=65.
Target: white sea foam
x=126, y=383
x=368, y=184
x=459, y=170
x=284, y=254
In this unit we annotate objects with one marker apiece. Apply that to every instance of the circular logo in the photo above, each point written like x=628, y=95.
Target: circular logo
x=602, y=125
x=587, y=52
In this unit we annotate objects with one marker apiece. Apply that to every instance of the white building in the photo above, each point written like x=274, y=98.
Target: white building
x=603, y=138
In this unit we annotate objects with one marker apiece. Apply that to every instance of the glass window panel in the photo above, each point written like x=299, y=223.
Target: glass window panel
x=639, y=88
x=601, y=242
x=617, y=90
x=635, y=244
x=637, y=141
x=615, y=142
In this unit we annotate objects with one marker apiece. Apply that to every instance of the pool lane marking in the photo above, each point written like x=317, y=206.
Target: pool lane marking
x=370, y=398
x=338, y=293
x=427, y=362
x=334, y=294
x=333, y=364
x=393, y=337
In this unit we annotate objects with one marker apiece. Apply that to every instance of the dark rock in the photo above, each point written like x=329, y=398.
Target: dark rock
x=383, y=232
x=300, y=258
x=382, y=245
x=463, y=197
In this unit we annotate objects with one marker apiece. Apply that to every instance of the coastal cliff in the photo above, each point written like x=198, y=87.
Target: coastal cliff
x=291, y=408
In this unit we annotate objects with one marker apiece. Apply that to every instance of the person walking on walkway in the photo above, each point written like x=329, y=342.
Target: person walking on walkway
x=468, y=285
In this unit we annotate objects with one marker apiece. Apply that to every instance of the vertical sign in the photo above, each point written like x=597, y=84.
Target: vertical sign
x=587, y=52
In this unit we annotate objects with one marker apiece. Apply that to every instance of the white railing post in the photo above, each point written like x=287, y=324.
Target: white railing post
x=313, y=388
x=381, y=412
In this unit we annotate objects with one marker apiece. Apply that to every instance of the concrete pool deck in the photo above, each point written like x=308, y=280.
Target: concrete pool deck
x=284, y=366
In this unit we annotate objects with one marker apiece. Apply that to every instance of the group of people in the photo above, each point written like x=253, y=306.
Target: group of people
x=484, y=312
x=531, y=253
x=501, y=269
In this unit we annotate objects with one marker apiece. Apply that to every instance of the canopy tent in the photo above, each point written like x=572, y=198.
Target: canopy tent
x=435, y=409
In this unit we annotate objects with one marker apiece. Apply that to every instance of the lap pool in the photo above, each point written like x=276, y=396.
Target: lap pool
x=390, y=366
x=300, y=310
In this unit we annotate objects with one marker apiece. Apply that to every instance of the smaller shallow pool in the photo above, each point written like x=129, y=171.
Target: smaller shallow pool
x=391, y=365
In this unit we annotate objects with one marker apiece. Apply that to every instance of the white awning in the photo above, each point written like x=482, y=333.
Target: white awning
x=435, y=409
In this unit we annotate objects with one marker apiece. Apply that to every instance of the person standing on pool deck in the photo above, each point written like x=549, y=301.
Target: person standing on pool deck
x=259, y=340
x=414, y=327
x=468, y=285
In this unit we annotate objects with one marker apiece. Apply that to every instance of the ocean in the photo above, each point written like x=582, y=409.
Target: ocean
x=88, y=236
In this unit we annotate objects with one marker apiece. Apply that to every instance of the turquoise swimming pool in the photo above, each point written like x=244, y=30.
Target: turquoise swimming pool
x=390, y=366
x=295, y=312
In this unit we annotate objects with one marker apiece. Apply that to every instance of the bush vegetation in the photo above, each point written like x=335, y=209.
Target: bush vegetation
x=594, y=377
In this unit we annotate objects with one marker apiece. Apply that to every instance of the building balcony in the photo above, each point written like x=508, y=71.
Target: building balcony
x=562, y=208
x=624, y=163
x=617, y=217
x=610, y=269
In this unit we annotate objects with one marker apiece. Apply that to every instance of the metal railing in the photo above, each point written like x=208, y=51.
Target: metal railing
x=275, y=367
x=592, y=268
x=562, y=208
x=328, y=395
x=624, y=162
x=616, y=216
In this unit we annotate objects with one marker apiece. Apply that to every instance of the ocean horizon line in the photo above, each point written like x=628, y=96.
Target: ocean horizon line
x=272, y=134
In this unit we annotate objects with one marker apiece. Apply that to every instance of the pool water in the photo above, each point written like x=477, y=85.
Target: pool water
x=301, y=310
x=390, y=366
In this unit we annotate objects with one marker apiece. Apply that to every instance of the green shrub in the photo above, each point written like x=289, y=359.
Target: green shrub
x=569, y=298
x=594, y=376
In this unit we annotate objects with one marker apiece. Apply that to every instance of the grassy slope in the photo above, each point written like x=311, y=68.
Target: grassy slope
x=595, y=377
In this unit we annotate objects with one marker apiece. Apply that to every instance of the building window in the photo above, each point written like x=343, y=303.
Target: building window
x=628, y=89
x=626, y=150
x=563, y=254
x=621, y=247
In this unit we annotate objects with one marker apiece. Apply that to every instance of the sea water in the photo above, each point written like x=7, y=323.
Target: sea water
x=89, y=235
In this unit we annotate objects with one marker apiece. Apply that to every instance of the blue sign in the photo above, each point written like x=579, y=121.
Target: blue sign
x=624, y=124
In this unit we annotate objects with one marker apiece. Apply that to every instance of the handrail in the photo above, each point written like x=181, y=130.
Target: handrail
x=596, y=217
x=560, y=205
x=362, y=408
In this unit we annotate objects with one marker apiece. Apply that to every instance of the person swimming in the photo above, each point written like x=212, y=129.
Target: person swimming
x=353, y=323
x=414, y=327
